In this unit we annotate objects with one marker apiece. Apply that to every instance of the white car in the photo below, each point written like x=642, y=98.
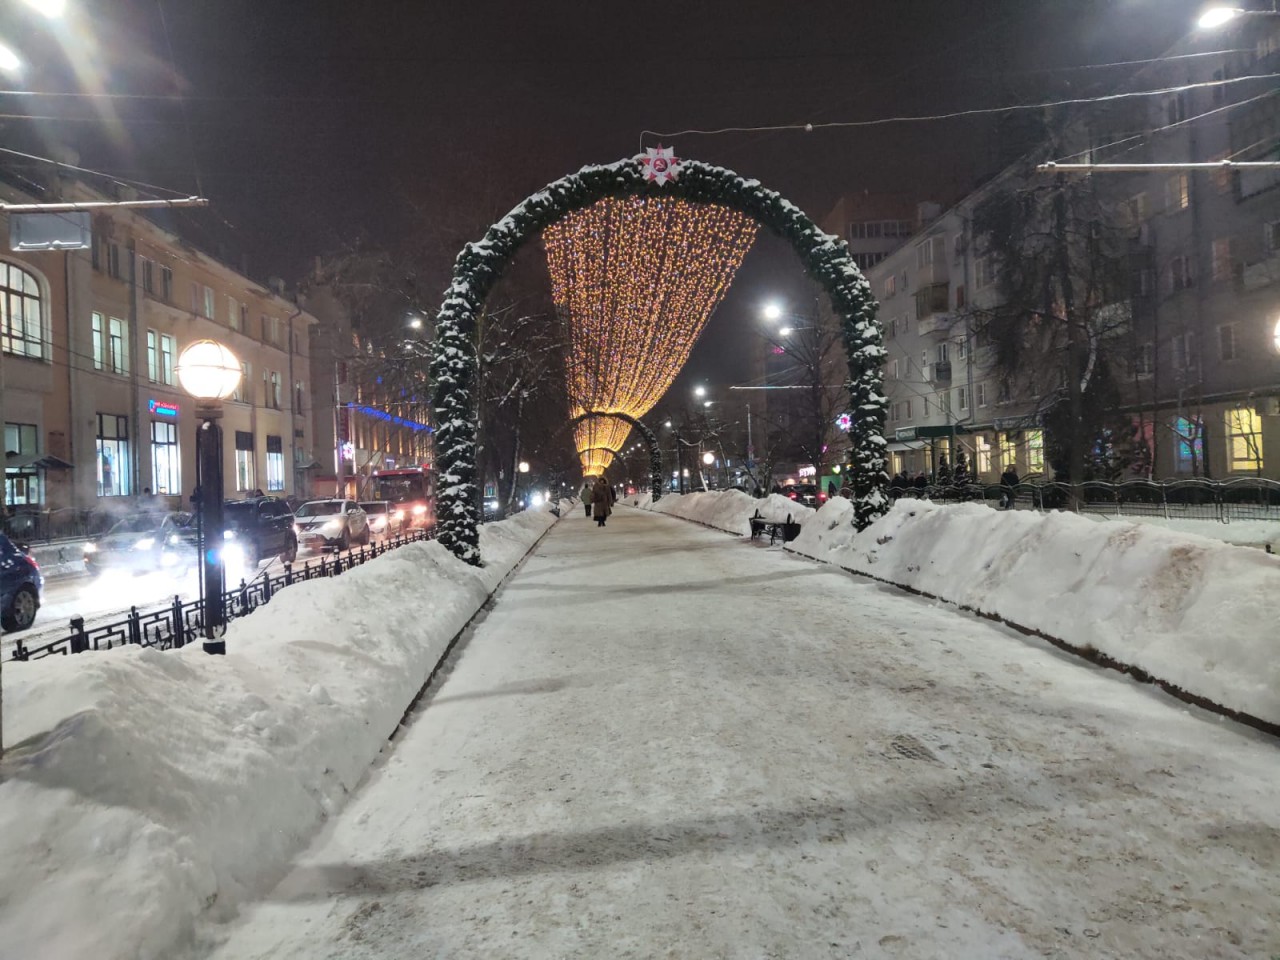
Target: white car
x=386, y=519
x=330, y=524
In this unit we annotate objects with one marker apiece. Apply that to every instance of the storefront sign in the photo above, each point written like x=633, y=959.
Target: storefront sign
x=162, y=408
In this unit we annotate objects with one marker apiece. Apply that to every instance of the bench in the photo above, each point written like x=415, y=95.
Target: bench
x=784, y=530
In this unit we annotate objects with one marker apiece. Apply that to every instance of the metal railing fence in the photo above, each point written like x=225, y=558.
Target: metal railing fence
x=1242, y=498
x=180, y=622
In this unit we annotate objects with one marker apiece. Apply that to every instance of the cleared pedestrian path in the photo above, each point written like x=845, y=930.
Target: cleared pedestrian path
x=666, y=742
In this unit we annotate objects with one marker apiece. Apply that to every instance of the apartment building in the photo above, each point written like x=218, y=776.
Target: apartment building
x=1191, y=339
x=94, y=415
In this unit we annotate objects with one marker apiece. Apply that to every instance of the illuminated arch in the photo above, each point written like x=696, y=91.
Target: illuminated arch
x=478, y=267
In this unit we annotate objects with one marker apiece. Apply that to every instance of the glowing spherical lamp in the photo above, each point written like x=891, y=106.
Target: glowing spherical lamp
x=708, y=458
x=208, y=370
x=524, y=467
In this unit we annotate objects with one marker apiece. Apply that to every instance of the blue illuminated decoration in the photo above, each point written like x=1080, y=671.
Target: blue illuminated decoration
x=388, y=417
x=160, y=408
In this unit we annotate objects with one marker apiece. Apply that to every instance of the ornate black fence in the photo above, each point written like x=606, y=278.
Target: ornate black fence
x=1243, y=498
x=179, y=623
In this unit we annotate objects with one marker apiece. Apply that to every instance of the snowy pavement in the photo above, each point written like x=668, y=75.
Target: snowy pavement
x=666, y=742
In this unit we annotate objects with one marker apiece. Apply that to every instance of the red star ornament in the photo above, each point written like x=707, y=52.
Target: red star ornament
x=660, y=164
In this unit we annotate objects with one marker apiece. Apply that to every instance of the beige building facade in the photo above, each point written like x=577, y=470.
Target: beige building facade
x=95, y=419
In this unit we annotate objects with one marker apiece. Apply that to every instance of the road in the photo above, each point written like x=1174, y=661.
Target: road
x=108, y=598
x=666, y=742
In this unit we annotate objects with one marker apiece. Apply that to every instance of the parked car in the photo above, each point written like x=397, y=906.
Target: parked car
x=806, y=493
x=385, y=518
x=331, y=524
x=145, y=543
x=258, y=529
x=21, y=586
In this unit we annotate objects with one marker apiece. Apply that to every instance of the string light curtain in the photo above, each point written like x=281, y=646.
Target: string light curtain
x=595, y=461
x=635, y=280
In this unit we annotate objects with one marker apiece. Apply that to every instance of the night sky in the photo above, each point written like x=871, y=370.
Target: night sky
x=310, y=122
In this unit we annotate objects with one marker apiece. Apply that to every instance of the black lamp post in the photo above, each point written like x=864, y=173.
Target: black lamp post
x=210, y=372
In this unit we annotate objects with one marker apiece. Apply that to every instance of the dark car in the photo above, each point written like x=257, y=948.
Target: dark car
x=258, y=529
x=145, y=543
x=806, y=493
x=21, y=587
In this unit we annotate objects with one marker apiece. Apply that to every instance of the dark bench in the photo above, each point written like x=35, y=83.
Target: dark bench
x=784, y=530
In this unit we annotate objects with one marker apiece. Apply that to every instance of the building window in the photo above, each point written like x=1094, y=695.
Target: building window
x=1136, y=209
x=148, y=276
x=21, y=313
x=1184, y=351
x=275, y=464
x=210, y=310
x=1008, y=450
x=99, y=342
x=962, y=348
x=1175, y=108
x=233, y=313
x=195, y=298
x=1179, y=274
x=1227, y=341
x=22, y=481
x=160, y=352
x=982, y=454
x=1035, y=451
x=980, y=394
x=118, y=345
x=983, y=273
x=166, y=464
x=297, y=397
x=1271, y=236
x=1189, y=450
x=962, y=397
x=244, y=461
x=890, y=285
x=113, y=260
x=960, y=301
x=944, y=352
x=1177, y=193
x=113, y=455
x=1144, y=363
x=271, y=330
x=1244, y=440
x=166, y=284
x=244, y=388
x=1223, y=262
x=908, y=409
x=274, y=390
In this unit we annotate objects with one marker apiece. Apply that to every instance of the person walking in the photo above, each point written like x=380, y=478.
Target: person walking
x=587, y=489
x=601, y=501
x=1008, y=480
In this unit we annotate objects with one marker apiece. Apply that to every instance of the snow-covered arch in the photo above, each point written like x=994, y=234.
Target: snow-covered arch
x=478, y=267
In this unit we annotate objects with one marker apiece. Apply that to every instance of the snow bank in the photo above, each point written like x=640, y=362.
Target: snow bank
x=729, y=510
x=146, y=787
x=1243, y=533
x=1193, y=612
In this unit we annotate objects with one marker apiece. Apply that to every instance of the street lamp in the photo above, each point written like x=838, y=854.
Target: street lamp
x=210, y=372
x=53, y=9
x=699, y=391
x=1218, y=15
x=773, y=311
x=10, y=62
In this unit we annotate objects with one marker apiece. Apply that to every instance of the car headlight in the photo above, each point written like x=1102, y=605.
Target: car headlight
x=228, y=534
x=174, y=540
x=233, y=553
x=90, y=548
x=419, y=509
x=398, y=515
x=492, y=504
x=146, y=543
x=332, y=526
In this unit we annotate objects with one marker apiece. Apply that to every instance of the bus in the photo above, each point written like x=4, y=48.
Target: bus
x=412, y=490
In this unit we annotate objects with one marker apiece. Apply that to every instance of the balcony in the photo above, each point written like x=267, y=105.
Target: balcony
x=932, y=302
x=936, y=323
x=933, y=274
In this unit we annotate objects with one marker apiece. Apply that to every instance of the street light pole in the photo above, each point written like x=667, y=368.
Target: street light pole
x=210, y=372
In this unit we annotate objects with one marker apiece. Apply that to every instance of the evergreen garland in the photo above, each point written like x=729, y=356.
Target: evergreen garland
x=480, y=265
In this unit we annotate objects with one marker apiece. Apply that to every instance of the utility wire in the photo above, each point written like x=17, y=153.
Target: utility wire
x=980, y=111
x=97, y=173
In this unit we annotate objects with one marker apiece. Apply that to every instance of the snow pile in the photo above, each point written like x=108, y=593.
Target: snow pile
x=146, y=787
x=729, y=510
x=1243, y=533
x=1193, y=612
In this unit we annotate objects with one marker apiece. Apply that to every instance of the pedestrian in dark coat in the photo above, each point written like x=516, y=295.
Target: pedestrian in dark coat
x=1008, y=480
x=600, y=501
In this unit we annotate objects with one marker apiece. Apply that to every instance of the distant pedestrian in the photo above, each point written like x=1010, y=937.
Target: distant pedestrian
x=587, y=489
x=1008, y=481
x=601, y=502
